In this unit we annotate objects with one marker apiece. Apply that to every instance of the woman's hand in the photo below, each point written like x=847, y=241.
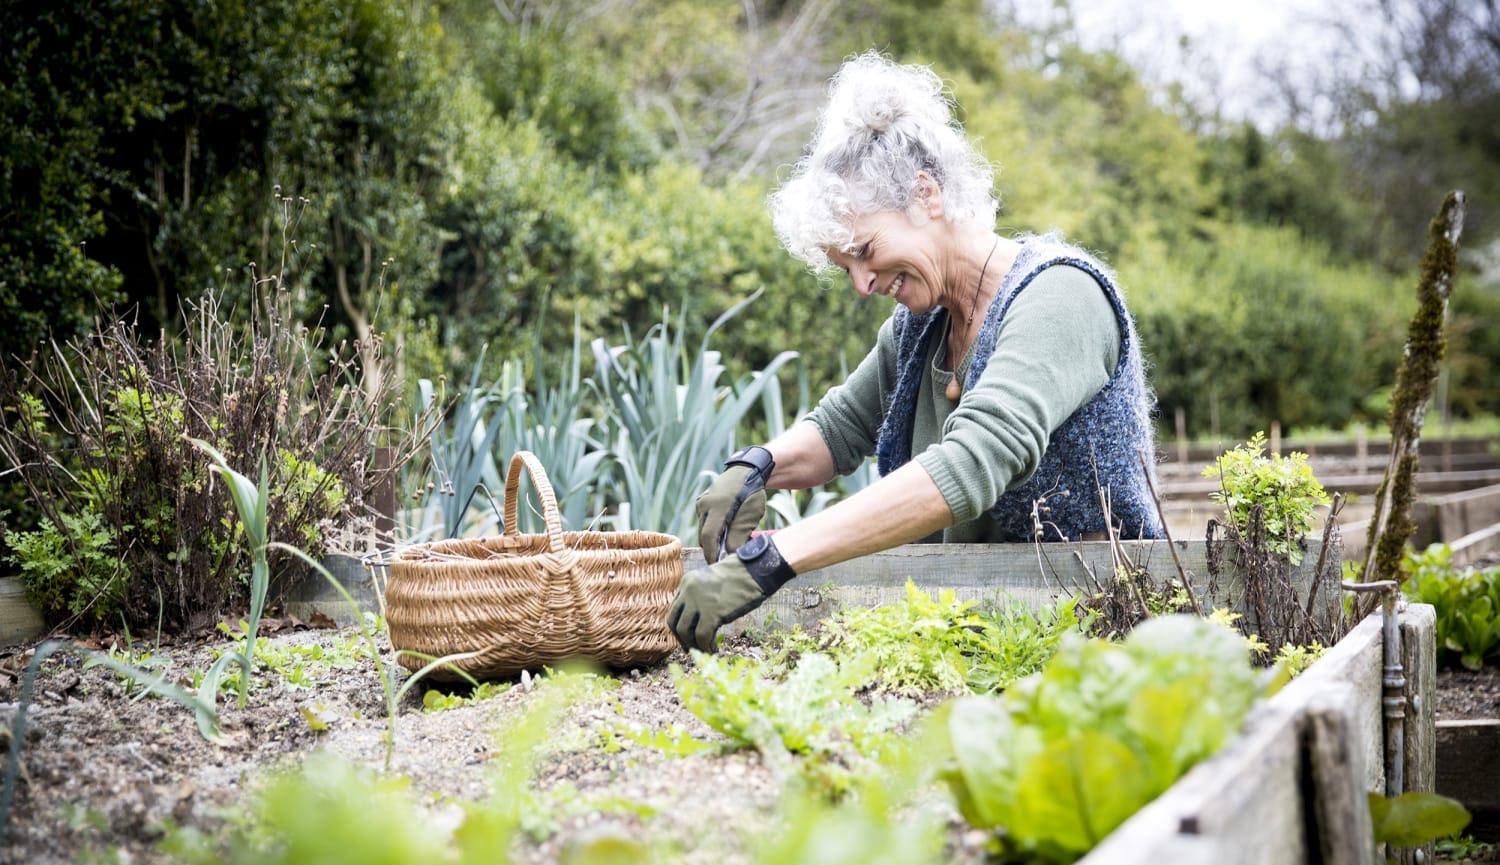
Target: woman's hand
x=713, y=597
x=734, y=504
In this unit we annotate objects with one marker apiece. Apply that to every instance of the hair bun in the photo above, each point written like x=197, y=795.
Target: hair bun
x=874, y=94
x=878, y=112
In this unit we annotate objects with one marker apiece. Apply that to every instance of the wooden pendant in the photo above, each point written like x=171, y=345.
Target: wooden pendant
x=953, y=391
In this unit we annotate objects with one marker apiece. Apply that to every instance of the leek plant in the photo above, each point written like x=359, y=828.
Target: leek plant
x=670, y=421
x=553, y=422
x=250, y=500
x=461, y=462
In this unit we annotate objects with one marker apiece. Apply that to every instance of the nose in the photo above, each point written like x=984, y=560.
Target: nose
x=863, y=279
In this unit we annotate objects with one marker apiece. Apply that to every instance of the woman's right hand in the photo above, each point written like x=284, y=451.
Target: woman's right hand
x=735, y=503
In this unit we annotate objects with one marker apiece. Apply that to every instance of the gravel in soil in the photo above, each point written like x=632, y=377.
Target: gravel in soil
x=105, y=772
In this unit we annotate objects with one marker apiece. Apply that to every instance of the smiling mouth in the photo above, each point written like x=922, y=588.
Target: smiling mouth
x=895, y=286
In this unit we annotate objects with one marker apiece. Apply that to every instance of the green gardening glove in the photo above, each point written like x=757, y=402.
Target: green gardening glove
x=734, y=504
x=713, y=597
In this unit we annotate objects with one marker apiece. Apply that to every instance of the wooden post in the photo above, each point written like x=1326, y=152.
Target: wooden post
x=1182, y=444
x=1361, y=450
x=1275, y=438
x=383, y=495
x=1340, y=810
x=1419, y=663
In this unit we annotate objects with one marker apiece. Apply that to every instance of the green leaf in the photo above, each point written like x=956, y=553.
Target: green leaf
x=988, y=750
x=1414, y=819
x=1172, y=727
x=1078, y=789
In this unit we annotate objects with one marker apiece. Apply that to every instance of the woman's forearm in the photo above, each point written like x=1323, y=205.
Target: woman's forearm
x=802, y=458
x=902, y=507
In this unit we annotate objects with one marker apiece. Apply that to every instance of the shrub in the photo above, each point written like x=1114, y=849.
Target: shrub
x=1279, y=491
x=99, y=431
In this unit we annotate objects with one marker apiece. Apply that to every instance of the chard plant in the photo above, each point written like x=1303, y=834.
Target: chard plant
x=1066, y=755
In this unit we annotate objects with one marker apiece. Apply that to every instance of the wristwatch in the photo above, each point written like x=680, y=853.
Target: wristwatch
x=764, y=563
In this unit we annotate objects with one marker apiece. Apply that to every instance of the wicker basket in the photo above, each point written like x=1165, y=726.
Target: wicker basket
x=524, y=600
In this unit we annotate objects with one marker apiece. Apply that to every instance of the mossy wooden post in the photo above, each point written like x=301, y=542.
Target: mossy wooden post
x=1391, y=525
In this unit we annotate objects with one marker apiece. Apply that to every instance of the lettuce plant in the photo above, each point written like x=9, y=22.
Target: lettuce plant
x=1466, y=601
x=1066, y=755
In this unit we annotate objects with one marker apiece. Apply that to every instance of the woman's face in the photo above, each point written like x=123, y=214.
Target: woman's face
x=896, y=257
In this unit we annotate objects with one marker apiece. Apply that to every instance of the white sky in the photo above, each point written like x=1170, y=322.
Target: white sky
x=1229, y=43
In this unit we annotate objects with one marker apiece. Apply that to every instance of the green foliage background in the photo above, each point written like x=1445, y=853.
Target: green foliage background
x=470, y=172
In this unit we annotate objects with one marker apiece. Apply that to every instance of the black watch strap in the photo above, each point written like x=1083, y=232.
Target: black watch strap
x=756, y=458
x=764, y=563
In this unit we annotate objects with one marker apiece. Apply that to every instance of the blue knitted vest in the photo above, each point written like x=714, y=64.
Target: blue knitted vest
x=1097, y=447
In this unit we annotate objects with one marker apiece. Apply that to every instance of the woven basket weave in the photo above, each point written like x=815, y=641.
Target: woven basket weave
x=524, y=600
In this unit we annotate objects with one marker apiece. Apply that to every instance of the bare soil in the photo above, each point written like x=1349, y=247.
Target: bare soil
x=1466, y=695
x=105, y=774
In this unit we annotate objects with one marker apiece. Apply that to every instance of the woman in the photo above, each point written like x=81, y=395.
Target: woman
x=1005, y=399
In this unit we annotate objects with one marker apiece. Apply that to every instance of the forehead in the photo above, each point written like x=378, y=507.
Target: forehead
x=863, y=227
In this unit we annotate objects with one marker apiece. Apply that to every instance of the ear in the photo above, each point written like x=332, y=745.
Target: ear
x=927, y=196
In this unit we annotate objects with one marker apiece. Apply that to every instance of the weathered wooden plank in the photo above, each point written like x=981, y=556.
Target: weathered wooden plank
x=1030, y=574
x=994, y=574
x=19, y=620
x=1462, y=513
x=1475, y=545
x=1341, y=813
x=1356, y=661
x=1430, y=481
x=1468, y=769
x=1419, y=729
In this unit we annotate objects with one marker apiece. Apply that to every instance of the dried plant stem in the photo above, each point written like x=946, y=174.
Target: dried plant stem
x=1391, y=525
x=1187, y=583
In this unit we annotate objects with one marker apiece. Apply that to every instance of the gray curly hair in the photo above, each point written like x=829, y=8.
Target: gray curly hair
x=883, y=123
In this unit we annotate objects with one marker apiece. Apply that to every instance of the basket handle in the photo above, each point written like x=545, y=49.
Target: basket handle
x=543, y=490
